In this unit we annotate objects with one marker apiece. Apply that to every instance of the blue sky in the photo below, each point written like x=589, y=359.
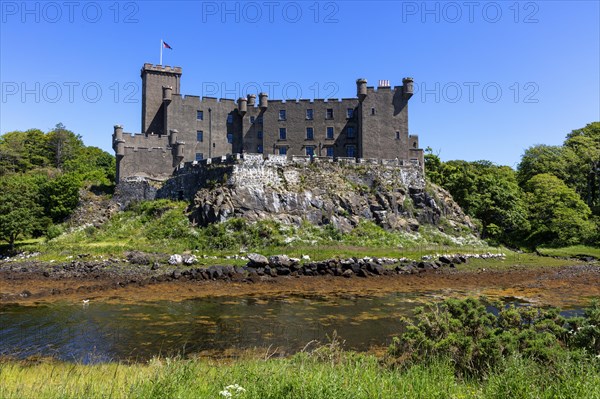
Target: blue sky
x=491, y=78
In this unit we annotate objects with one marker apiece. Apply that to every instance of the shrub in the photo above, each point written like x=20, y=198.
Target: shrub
x=476, y=340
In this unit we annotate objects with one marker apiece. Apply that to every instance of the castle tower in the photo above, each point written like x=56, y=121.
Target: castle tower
x=159, y=83
x=383, y=117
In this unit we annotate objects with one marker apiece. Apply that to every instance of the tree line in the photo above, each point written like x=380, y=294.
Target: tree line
x=41, y=175
x=552, y=199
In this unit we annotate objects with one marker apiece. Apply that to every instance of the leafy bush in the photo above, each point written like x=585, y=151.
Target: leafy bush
x=478, y=341
x=54, y=231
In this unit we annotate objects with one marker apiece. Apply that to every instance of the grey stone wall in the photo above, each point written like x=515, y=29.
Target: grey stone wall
x=377, y=128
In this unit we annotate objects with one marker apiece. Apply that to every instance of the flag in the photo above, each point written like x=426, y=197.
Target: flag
x=165, y=45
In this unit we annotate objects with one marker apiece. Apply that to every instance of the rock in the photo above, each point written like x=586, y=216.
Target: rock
x=445, y=259
x=362, y=273
x=176, y=259
x=155, y=266
x=176, y=274
x=280, y=260
x=257, y=260
x=348, y=273
x=306, y=258
x=25, y=294
x=190, y=259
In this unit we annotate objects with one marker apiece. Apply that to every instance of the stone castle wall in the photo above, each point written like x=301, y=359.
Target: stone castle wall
x=372, y=125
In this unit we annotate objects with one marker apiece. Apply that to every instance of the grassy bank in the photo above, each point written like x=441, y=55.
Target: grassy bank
x=573, y=251
x=163, y=226
x=343, y=375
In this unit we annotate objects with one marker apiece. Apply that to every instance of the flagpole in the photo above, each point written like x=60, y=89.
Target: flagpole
x=161, y=47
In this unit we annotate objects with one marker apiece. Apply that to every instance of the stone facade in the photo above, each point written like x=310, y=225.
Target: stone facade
x=180, y=129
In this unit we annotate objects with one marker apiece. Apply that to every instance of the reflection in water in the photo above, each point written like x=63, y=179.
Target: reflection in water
x=98, y=332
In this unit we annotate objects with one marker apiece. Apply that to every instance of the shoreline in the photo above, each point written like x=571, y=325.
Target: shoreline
x=569, y=285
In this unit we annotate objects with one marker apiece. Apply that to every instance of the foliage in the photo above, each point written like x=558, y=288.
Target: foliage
x=478, y=342
x=558, y=216
x=485, y=191
x=576, y=162
x=94, y=165
x=22, y=151
x=60, y=196
x=55, y=165
x=62, y=145
x=20, y=214
x=506, y=205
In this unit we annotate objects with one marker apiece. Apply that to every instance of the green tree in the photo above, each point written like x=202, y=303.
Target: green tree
x=60, y=196
x=487, y=192
x=557, y=214
x=63, y=145
x=584, y=164
x=433, y=167
x=93, y=165
x=543, y=159
x=22, y=151
x=20, y=214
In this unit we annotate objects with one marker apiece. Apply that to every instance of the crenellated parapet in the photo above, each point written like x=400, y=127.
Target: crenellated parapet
x=148, y=67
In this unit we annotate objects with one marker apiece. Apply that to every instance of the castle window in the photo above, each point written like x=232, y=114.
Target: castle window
x=282, y=114
x=310, y=135
x=259, y=148
x=351, y=151
x=329, y=151
x=329, y=113
x=229, y=118
x=329, y=132
x=259, y=119
x=259, y=135
x=350, y=132
x=230, y=138
x=199, y=156
x=350, y=112
x=282, y=133
x=310, y=151
x=397, y=135
x=309, y=114
x=372, y=111
x=200, y=136
x=415, y=144
x=252, y=119
x=282, y=150
x=200, y=115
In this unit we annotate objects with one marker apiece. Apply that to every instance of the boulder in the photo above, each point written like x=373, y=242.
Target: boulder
x=176, y=259
x=280, y=260
x=348, y=273
x=257, y=260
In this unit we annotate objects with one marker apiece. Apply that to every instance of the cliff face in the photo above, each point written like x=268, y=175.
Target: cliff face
x=394, y=197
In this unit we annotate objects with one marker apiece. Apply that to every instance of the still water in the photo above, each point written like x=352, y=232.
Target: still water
x=103, y=331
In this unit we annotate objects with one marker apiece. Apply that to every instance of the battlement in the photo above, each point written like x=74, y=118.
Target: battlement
x=161, y=68
x=373, y=89
x=282, y=160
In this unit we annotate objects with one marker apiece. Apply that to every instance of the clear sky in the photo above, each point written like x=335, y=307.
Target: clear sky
x=491, y=77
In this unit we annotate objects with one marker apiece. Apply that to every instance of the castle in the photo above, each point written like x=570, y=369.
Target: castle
x=178, y=130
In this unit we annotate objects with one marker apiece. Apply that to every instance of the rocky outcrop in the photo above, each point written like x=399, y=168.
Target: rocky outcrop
x=394, y=197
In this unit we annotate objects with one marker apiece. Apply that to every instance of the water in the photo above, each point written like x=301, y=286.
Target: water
x=100, y=331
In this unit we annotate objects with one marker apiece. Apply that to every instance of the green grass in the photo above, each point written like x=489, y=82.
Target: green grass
x=576, y=250
x=327, y=375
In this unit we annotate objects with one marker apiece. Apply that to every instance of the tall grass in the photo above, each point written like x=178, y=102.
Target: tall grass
x=301, y=376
